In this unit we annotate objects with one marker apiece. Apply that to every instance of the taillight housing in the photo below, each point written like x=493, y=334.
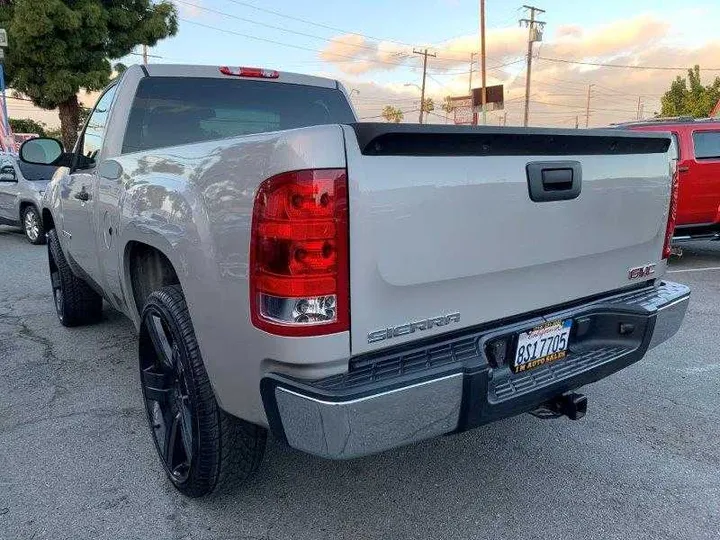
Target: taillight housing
x=672, y=212
x=259, y=73
x=299, y=269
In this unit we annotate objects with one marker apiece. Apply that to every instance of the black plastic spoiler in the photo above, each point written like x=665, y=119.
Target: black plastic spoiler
x=377, y=139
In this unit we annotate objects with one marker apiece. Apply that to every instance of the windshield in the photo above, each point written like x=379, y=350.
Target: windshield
x=168, y=111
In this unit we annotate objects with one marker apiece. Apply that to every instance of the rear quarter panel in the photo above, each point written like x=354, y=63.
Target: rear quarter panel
x=194, y=203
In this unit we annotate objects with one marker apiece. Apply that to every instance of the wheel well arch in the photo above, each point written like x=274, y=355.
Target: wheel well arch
x=47, y=220
x=23, y=206
x=148, y=269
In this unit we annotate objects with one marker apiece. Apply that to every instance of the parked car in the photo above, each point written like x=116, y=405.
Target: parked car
x=22, y=186
x=352, y=287
x=698, y=154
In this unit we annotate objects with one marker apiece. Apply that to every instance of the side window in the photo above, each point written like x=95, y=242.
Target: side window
x=707, y=144
x=95, y=130
x=7, y=171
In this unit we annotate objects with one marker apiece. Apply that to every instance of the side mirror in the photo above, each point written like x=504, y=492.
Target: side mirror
x=7, y=174
x=42, y=151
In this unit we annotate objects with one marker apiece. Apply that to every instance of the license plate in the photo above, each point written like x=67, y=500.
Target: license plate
x=541, y=345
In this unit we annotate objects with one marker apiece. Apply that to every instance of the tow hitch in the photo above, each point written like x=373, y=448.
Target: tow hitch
x=574, y=406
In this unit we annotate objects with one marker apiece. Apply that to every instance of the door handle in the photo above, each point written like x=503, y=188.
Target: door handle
x=683, y=168
x=83, y=196
x=554, y=180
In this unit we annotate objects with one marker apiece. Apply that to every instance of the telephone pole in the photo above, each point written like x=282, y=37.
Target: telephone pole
x=470, y=92
x=587, y=107
x=534, y=34
x=472, y=63
x=482, y=59
x=639, y=107
x=425, y=55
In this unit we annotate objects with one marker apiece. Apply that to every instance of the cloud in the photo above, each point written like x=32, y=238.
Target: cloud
x=191, y=11
x=352, y=53
x=614, y=38
x=559, y=90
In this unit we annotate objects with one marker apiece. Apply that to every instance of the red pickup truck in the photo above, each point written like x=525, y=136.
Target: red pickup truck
x=697, y=143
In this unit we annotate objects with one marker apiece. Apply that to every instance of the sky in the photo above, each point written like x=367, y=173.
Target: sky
x=368, y=45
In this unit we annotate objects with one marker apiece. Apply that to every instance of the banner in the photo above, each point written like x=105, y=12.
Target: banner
x=7, y=141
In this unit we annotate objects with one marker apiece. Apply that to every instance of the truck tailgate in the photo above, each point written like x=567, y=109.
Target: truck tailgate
x=443, y=227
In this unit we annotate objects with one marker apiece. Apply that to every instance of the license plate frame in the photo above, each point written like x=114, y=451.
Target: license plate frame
x=541, y=345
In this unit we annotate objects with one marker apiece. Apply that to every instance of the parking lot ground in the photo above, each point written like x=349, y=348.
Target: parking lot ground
x=76, y=458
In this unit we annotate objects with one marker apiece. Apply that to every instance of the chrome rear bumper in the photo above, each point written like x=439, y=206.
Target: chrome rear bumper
x=424, y=391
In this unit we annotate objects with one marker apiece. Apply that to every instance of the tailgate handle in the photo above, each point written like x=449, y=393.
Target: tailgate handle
x=554, y=180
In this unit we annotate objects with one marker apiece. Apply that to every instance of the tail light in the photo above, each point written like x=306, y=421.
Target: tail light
x=259, y=73
x=672, y=213
x=299, y=268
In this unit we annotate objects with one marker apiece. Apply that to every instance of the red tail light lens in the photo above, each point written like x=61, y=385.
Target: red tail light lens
x=672, y=213
x=299, y=254
x=259, y=73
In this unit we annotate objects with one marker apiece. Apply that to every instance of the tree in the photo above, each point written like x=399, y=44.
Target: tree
x=428, y=105
x=688, y=97
x=58, y=47
x=119, y=68
x=392, y=114
x=448, y=105
x=27, y=125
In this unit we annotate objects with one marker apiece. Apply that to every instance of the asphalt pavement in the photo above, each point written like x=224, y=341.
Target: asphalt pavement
x=77, y=461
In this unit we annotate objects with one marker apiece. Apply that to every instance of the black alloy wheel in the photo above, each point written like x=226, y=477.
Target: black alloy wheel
x=201, y=447
x=167, y=397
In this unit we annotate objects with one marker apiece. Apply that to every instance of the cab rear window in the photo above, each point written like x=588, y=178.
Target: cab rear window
x=169, y=111
x=707, y=144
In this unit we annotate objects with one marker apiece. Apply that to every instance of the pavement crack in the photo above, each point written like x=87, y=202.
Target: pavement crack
x=93, y=413
x=26, y=332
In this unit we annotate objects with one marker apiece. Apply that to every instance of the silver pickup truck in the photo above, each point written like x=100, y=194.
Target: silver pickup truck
x=350, y=287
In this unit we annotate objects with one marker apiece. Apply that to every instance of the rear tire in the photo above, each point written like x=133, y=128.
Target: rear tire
x=33, y=226
x=201, y=447
x=76, y=303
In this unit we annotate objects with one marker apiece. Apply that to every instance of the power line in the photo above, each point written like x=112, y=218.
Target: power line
x=580, y=107
x=625, y=66
x=273, y=27
x=313, y=36
x=265, y=40
x=300, y=47
x=314, y=23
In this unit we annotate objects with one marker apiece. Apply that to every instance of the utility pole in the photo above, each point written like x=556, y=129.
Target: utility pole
x=425, y=55
x=472, y=63
x=470, y=92
x=482, y=59
x=145, y=54
x=639, y=106
x=534, y=34
x=577, y=121
x=504, y=119
x=587, y=107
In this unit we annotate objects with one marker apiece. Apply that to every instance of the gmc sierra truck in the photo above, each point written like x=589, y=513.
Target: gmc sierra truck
x=350, y=287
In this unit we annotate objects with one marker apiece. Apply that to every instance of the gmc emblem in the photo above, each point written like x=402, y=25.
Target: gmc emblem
x=640, y=272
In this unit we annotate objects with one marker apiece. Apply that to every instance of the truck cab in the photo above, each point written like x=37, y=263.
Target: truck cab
x=697, y=144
